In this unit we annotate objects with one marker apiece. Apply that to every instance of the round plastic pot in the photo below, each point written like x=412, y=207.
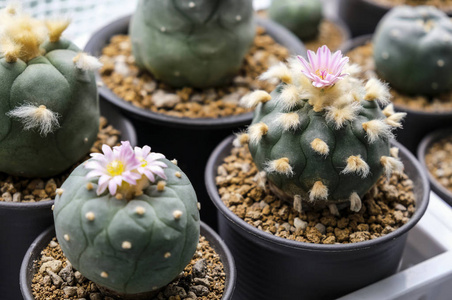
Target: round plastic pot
x=417, y=123
x=190, y=141
x=271, y=267
x=422, y=150
x=28, y=268
x=362, y=16
x=21, y=223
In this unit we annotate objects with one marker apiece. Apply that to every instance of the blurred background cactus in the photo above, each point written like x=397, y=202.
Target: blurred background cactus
x=302, y=17
x=131, y=224
x=413, y=50
x=198, y=43
x=49, y=108
x=320, y=137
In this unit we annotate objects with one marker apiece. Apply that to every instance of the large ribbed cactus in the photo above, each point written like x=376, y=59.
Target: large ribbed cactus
x=321, y=137
x=49, y=114
x=131, y=224
x=413, y=50
x=302, y=17
x=197, y=43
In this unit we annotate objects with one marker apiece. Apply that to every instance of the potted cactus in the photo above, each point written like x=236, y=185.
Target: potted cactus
x=411, y=51
x=319, y=140
x=128, y=220
x=191, y=45
x=305, y=19
x=362, y=16
x=50, y=120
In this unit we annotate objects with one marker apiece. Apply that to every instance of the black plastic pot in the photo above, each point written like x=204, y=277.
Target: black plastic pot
x=417, y=123
x=21, y=223
x=271, y=267
x=190, y=141
x=422, y=150
x=28, y=268
x=362, y=16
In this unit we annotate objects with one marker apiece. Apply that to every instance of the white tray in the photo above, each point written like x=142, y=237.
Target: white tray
x=426, y=272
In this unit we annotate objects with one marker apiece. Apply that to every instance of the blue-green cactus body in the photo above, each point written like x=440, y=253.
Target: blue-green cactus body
x=128, y=246
x=310, y=166
x=199, y=43
x=413, y=50
x=51, y=80
x=302, y=17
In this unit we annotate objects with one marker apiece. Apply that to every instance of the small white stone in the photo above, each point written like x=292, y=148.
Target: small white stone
x=300, y=224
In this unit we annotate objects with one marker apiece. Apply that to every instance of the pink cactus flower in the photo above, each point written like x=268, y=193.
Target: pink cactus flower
x=114, y=167
x=324, y=69
x=150, y=165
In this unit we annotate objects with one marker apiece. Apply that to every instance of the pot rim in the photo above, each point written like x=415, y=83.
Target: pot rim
x=97, y=42
x=47, y=204
x=361, y=40
x=211, y=236
x=421, y=206
x=373, y=3
x=422, y=149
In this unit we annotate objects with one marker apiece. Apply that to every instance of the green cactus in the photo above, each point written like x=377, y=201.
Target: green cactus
x=302, y=17
x=49, y=107
x=197, y=43
x=129, y=244
x=413, y=50
x=321, y=143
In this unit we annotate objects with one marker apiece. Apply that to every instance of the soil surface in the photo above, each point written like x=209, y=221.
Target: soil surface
x=363, y=56
x=439, y=161
x=202, y=279
x=124, y=78
x=441, y=4
x=21, y=189
x=386, y=207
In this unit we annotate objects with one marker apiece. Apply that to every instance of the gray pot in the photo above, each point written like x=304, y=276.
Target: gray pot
x=362, y=16
x=21, y=223
x=425, y=144
x=28, y=268
x=190, y=141
x=417, y=123
x=271, y=267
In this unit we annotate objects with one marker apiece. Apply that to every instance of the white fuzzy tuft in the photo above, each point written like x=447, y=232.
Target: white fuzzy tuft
x=261, y=179
x=395, y=119
x=288, y=121
x=36, y=117
x=256, y=132
x=280, y=166
x=391, y=164
x=389, y=110
x=355, y=202
x=86, y=62
x=394, y=151
x=320, y=147
x=279, y=71
x=318, y=191
x=378, y=91
x=253, y=99
x=340, y=115
x=240, y=140
x=9, y=49
x=289, y=98
x=353, y=70
x=376, y=129
x=355, y=164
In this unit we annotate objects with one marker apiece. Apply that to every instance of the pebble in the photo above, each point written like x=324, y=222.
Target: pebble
x=200, y=290
x=321, y=228
x=70, y=291
x=300, y=224
x=162, y=99
x=200, y=269
x=7, y=197
x=52, y=265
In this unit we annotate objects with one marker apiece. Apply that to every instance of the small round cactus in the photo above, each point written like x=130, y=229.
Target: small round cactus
x=197, y=43
x=413, y=50
x=302, y=17
x=127, y=219
x=320, y=137
x=49, y=109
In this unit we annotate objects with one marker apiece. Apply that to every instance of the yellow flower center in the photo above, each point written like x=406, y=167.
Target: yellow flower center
x=144, y=163
x=115, y=168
